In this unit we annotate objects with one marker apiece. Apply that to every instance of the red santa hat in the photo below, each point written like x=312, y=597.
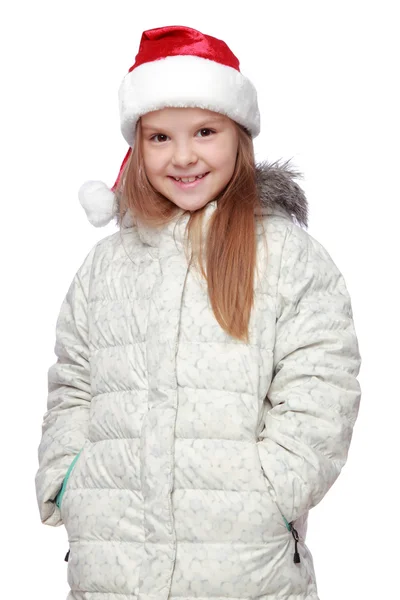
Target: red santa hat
x=176, y=66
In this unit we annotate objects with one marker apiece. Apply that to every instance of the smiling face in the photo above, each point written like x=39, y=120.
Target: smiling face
x=184, y=143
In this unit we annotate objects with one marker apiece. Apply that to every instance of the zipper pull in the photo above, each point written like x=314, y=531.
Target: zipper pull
x=66, y=557
x=296, y=556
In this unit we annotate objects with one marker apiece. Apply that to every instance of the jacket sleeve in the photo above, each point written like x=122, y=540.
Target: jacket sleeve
x=65, y=424
x=314, y=393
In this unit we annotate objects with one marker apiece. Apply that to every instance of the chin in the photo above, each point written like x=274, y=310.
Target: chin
x=186, y=204
x=190, y=206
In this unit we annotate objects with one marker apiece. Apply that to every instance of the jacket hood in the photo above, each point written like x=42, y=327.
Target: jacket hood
x=277, y=189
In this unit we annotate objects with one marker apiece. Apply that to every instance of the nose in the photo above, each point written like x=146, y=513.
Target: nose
x=183, y=154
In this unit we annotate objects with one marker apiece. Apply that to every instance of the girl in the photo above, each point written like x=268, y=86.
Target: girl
x=205, y=392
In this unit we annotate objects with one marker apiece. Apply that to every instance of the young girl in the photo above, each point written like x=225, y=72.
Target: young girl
x=205, y=392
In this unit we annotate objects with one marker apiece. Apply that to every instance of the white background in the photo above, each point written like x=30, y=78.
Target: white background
x=326, y=74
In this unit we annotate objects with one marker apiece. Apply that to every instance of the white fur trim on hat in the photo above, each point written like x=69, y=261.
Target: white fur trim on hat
x=99, y=202
x=187, y=81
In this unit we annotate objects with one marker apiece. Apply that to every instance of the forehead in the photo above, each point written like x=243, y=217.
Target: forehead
x=173, y=116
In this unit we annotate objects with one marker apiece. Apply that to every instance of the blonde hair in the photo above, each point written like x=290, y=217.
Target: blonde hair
x=231, y=241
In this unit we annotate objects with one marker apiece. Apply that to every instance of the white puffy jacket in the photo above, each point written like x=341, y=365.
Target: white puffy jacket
x=182, y=462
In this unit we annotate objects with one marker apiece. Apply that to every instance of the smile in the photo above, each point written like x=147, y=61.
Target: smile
x=189, y=182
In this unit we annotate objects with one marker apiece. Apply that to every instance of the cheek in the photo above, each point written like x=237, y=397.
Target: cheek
x=225, y=157
x=227, y=165
x=153, y=163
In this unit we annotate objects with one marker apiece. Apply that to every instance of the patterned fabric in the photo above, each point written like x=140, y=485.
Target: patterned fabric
x=196, y=450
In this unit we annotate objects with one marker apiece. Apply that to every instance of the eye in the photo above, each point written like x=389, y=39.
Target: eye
x=158, y=135
x=206, y=129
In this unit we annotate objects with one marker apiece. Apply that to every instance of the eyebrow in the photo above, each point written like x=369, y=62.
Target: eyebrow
x=200, y=124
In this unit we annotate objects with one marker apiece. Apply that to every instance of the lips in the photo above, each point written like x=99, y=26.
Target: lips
x=188, y=186
x=189, y=176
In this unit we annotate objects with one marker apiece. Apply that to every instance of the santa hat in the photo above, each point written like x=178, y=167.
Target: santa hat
x=179, y=67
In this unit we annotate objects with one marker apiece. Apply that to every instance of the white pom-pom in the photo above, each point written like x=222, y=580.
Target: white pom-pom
x=99, y=202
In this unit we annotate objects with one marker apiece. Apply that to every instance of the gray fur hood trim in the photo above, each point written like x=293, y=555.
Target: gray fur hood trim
x=276, y=185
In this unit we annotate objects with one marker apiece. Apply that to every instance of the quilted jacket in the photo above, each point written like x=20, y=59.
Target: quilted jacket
x=182, y=462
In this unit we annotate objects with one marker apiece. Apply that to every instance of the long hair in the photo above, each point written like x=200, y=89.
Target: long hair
x=231, y=240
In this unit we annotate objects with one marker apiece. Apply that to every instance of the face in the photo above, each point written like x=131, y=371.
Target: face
x=184, y=143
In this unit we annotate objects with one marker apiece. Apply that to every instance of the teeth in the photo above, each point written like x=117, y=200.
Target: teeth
x=188, y=179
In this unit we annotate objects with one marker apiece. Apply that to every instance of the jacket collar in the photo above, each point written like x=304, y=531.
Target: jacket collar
x=278, y=191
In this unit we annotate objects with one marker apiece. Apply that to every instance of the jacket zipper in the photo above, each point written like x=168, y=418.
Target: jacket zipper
x=289, y=527
x=62, y=491
x=65, y=481
x=296, y=555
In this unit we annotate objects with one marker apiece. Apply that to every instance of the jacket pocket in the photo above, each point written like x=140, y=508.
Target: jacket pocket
x=65, y=481
x=289, y=526
x=271, y=491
